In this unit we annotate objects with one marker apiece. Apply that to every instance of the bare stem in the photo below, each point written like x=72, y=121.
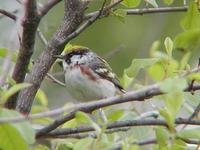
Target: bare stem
x=118, y=124
x=29, y=23
x=10, y=15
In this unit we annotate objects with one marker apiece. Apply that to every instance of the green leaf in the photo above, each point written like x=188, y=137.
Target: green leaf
x=126, y=80
x=120, y=14
x=152, y=2
x=173, y=103
x=83, y=144
x=131, y=3
x=154, y=48
x=115, y=115
x=192, y=133
x=192, y=18
x=42, y=98
x=179, y=145
x=192, y=98
x=169, y=86
x=71, y=124
x=3, y=52
x=198, y=3
x=162, y=137
x=194, y=76
x=168, y=2
x=11, y=138
x=156, y=72
x=184, y=60
x=163, y=68
x=138, y=64
x=168, y=46
x=41, y=147
x=174, y=99
x=187, y=40
x=14, y=89
x=169, y=118
x=84, y=118
x=24, y=128
x=67, y=146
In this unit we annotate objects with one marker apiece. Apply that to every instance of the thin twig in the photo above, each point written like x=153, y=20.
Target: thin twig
x=196, y=142
x=42, y=37
x=19, y=1
x=44, y=41
x=154, y=141
x=145, y=142
x=144, y=11
x=52, y=113
x=89, y=134
x=10, y=15
x=113, y=52
x=196, y=112
x=156, y=10
x=118, y=124
x=197, y=109
x=55, y=80
x=87, y=23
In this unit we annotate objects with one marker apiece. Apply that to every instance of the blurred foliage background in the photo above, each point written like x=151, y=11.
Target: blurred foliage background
x=139, y=62
x=134, y=36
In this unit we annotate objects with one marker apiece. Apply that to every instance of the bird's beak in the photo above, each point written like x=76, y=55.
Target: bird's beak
x=59, y=56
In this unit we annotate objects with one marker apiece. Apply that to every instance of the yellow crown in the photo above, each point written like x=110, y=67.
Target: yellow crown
x=69, y=48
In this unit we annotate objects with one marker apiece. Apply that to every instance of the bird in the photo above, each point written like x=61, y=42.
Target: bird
x=88, y=76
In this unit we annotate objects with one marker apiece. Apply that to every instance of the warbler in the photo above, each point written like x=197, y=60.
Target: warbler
x=88, y=76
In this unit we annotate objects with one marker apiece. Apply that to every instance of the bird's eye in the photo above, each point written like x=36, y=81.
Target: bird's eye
x=68, y=61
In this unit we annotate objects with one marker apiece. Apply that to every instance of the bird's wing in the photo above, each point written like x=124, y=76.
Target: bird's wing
x=102, y=68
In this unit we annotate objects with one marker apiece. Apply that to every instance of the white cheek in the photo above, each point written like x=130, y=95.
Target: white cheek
x=77, y=59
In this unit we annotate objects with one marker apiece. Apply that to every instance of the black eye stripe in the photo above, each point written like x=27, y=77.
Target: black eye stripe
x=80, y=52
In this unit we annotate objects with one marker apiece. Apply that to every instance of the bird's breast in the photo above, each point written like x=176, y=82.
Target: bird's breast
x=85, y=85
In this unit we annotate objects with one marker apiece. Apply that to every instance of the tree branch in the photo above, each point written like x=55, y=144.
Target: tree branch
x=154, y=141
x=113, y=52
x=41, y=36
x=90, y=21
x=29, y=23
x=156, y=10
x=144, y=11
x=10, y=15
x=84, y=135
x=139, y=95
x=55, y=80
x=74, y=11
x=117, y=124
x=196, y=112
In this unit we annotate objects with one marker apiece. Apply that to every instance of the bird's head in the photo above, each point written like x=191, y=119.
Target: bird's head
x=76, y=55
